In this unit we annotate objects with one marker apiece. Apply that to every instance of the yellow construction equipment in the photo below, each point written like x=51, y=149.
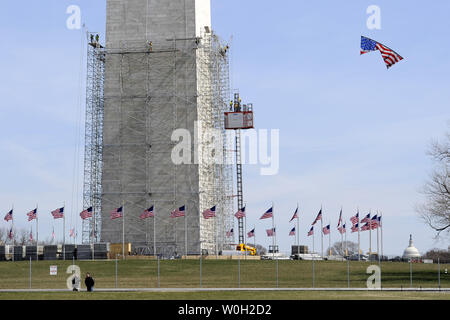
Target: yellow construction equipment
x=243, y=247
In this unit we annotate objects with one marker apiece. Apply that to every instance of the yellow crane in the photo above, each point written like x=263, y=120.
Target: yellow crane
x=243, y=247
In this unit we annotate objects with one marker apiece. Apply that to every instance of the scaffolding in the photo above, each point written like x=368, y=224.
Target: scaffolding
x=92, y=187
x=186, y=78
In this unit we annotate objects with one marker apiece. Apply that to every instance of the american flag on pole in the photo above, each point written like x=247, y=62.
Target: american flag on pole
x=9, y=216
x=389, y=56
x=209, y=213
x=72, y=232
x=267, y=214
x=32, y=215
x=270, y=232
x=311, y=232
x=53, y=233
x=251, y=233
x=366, y=227
x=292, y=232
x=86, y=213
x=340, y=219
x=342, y=229
x=178, y=212
x=295, y=215
x=147, y=213
x=355, y=227
x=366, y=218
x=241, y=213
x=31, y=235
x=374, y=222
x=116, y=213
x=326, y=230
x=58, y=213
x=230, y=233
x=10, y=234
x=355, y=219
x=319, y=217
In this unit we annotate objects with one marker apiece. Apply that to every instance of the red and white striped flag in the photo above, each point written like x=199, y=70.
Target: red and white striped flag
x=355, y=227
x=72, y=232
x=116, y=213
x=267, y=214
x=240, y=214
x=9, y=216
x=342, y=229
x=58, y=213
x=86, y=213
x=292, y=233
x=230, y=233
x=209, y=213
x=355, y=219
x=311, y=232
x=326, y=230
x=251, y=233
x=295, y=215
x=319, y=217
x=32, y=214
x=147, y=213
x=31, y=235
x=270, y=232
x=178, y=212
x=366, y=227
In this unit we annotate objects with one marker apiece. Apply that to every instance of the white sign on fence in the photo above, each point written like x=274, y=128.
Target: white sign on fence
x=53, y=270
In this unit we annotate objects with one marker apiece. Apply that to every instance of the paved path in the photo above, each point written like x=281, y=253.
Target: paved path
x=445, y=290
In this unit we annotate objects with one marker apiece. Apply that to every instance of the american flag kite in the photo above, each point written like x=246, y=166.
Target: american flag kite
x=116, y=213
x=147, y=213
x=251, y=233
x=32, y=215
x=319, y=217
x=9, y=216
x=178, y=212
x=86, y=213
x=270, y=232
x=366, y=218
x=295, y=215
x=241, y=213
x=230, y=233
x=389, y=56
x=355, y=227
x=267, y=214
x=292, y=233
x=355, y=219
x=311, y=232
x=209, y=213
x=58, y=213
x=326, y=230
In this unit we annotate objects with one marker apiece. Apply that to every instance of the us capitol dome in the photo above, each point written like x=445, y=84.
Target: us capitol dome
x=411, y=251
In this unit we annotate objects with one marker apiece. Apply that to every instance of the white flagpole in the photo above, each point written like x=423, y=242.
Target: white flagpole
x=273, y=235
x=329, y=240
x=37, y=233
x=381, y=226
x=185, y=232
x=64, y=231
x=370, y=233
x=359, y=237
x=321, y=230
x=298, y=229
x=154, y=229
x=123, y=231
x=12, y=228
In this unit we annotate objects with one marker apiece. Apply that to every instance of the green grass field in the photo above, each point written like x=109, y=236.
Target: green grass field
x=222, y=274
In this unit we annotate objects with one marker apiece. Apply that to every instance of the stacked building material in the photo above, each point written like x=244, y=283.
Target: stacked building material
x=18, y=253
x=68, y=252
x=84, y=252
x=101, y=250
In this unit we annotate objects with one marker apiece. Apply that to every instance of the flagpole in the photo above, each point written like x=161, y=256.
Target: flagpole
x=359, y=238
x=123, y=231
x=64, y=231
x=329, y=240
x=154, y=234
x=341, y=222
x=378, y=241
x=298, y=230
x=274, y=240
x=12, y=228
x=381, y=226
x=321, y=229
x=370, y=233
x=185, y=232
x=37, y=233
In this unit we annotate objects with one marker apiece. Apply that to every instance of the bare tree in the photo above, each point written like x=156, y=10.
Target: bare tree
x=3, y=236
x=338, y=248
x=435, y=212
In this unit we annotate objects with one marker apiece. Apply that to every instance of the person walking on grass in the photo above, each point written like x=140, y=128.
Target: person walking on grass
x=89, y=282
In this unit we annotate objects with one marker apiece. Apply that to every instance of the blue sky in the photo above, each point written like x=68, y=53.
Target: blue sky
x=352, y=133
